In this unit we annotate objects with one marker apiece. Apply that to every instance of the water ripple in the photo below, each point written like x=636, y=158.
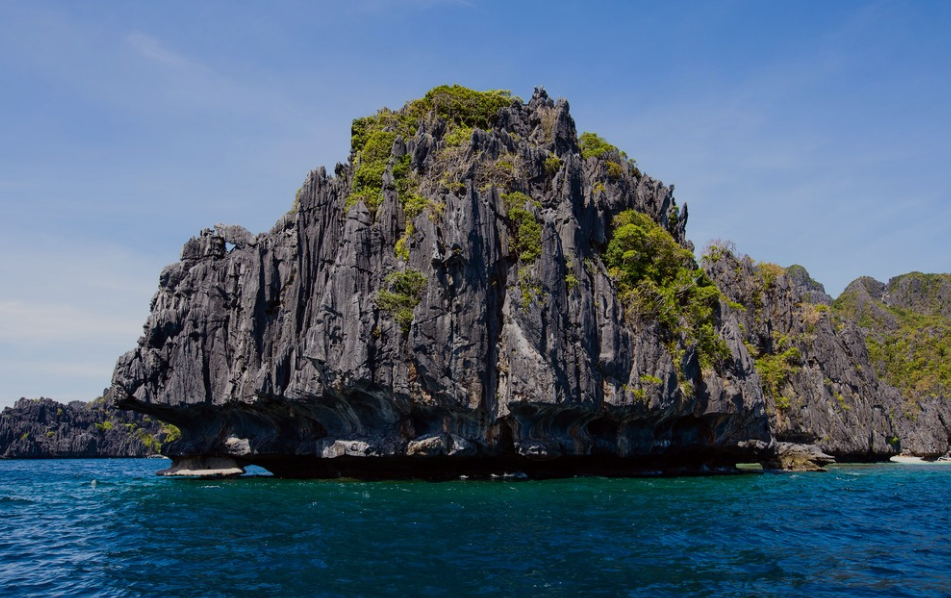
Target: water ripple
x=111, y=528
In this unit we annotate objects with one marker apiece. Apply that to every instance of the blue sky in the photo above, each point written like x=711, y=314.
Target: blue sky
x=808, y=132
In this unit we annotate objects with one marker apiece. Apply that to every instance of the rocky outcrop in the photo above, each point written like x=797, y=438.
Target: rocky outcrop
x=455, y=318
x=43, y=428
x=815, y=369
x=906, y=325
x=478, y=290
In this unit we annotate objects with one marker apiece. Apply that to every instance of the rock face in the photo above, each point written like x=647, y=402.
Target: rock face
x=906, y=324
x=819, y=384
x=44, y=429
x=456, y=318
x=481, y=290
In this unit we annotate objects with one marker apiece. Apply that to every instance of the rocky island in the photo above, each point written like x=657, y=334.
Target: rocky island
x=46, y=429
x=479, y=289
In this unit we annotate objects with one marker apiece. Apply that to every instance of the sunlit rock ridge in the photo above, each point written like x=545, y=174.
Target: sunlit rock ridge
x=480, y=290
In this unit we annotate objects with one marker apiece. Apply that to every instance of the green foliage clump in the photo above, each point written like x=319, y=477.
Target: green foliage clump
x=552, y=165
x=462, y=106
x=371, y=144
x=769, y=273
x=371, y=161
x=615, y=170
x=526, y=230
x=571, y=281
x=295, y=207
x=396, y=122
x=458, y=136
x=402, y=244
x=402, y=295
x=415, y=204
x=527, y=239
x=657, y=278
x=775, y=370
x=172, y=433
x=518, y=199
x=593, y=146
x=910, y=347
x=717, y=249
x=530, y=287
x=502, y=172
x=915, y=357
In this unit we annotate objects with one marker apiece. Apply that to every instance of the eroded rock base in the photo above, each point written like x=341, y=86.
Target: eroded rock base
x=203, y=467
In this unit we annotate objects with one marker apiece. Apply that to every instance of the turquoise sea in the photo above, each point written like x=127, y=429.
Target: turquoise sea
x=112, y=528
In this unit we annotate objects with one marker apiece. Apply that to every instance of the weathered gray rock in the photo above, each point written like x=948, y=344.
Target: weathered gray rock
x=273, y=350
x=799, y=457
x=820, y=387
x=909, y=317
x=299, y=351
x=46, y=429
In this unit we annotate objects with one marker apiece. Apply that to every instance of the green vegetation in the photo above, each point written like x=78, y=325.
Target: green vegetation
x=910, y=348
x=657, y=278
x=769, y=273
x=396, y=122
x=593, y=146
x=458, y=136
x=164, y=437
x=172, y=433
x=530, y=287
x=552, y=165
x=571, y=281
x=526, y=231
x=372, y=137
x=776, y=369
x=717, y=249
x=841, y=401
x=402, y=244
x=104, y=426
x=371, y=162
x=462, y=106
x=402, y=295
x=295, y=207
x=502, y=172
x=615, y=170
x=915, y=357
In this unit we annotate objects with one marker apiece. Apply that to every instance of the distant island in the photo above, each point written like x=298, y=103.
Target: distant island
x=46, y=429
x=479, y=289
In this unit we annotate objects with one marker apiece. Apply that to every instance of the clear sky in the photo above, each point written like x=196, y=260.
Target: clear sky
x=809, y=132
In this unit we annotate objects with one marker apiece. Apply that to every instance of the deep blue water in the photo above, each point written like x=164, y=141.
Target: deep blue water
x=112, y=528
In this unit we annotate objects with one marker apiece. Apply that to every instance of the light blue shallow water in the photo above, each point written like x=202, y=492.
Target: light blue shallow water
x=112, y=528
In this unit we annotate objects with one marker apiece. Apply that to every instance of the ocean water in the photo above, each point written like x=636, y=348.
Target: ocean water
x=112, y=528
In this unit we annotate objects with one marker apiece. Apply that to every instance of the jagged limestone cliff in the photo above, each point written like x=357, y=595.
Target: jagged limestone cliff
x=479, y=289
x=814, y=366
x=443, y=305
x=906, y=323
x=45, y=429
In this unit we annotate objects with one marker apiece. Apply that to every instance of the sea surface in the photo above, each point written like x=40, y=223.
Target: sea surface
x=113, y=528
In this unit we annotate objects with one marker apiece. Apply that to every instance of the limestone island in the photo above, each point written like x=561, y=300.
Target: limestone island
x=480, y=290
